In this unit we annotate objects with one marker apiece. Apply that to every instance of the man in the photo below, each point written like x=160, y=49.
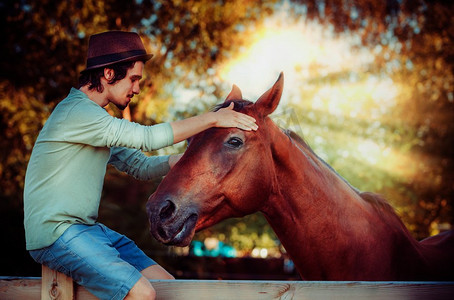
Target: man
x=65, y=174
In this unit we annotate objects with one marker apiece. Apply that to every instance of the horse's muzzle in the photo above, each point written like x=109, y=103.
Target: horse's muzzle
x=170, y=223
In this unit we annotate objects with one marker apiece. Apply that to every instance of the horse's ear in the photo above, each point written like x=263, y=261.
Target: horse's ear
x=235, y=94
x=268, y=102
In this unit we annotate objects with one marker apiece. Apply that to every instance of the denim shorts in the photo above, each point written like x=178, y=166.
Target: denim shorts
x=105, y=262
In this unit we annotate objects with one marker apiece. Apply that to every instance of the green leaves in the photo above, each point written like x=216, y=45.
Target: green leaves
x=45, y=43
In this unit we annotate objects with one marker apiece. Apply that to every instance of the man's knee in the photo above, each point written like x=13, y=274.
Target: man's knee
x=150, y=293
x=147, y=293
x=142, y=290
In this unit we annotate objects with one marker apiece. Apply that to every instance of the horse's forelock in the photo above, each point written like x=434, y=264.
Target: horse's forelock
x=238, y=105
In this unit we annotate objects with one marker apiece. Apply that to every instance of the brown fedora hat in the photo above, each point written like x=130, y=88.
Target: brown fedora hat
x=112, y=47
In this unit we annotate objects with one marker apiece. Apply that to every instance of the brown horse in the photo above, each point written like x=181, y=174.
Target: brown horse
x=331, y=230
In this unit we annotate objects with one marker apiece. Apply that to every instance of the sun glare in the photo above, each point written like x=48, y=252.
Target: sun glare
x=309, y=55
x=296, y=48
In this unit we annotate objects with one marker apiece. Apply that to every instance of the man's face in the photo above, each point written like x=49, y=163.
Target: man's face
x=121, y=92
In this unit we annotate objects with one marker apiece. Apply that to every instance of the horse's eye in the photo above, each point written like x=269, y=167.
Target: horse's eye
x=235, y=142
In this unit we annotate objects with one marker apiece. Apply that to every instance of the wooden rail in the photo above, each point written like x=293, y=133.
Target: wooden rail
x=55, y=285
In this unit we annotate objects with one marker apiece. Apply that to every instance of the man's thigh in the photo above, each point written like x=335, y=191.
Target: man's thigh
x=127, y=249
x=86, y=254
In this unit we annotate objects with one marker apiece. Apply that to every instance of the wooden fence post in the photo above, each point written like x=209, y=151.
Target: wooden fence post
x=56, y=285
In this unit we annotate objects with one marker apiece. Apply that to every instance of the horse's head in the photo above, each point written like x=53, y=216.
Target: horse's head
x=225, y=172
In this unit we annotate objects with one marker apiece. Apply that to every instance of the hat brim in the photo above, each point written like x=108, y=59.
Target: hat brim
x=143, y=57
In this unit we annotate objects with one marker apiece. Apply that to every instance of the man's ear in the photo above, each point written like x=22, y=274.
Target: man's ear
x=109, y=74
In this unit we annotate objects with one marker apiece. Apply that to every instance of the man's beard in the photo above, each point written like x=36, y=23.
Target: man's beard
x=121, y=107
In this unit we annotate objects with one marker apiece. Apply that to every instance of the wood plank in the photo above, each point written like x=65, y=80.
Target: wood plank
x=12, y=288
x=30, y=288
x=206, y=289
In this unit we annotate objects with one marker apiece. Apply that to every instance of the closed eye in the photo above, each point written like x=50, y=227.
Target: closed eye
x=135, y=78
x=234, y=142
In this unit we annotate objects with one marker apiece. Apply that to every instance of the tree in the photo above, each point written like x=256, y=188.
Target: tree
x=414, y=44
x=44, y=50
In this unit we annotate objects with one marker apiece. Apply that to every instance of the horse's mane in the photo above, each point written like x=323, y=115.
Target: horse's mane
x=375, y=200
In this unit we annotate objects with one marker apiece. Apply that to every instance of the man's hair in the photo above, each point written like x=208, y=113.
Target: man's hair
x=92, y=78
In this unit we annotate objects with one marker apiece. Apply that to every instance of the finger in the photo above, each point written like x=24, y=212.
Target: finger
x=245, y=117
x=248, y=120
x=253, y=126
x=247, y=125
x=231, y=106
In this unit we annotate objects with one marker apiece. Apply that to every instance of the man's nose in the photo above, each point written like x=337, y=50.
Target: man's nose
x=136, y=88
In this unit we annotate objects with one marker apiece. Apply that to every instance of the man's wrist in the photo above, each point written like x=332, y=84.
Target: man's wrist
x=211, y=119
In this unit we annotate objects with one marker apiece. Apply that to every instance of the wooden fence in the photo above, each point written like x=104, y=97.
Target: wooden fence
x=54, y=285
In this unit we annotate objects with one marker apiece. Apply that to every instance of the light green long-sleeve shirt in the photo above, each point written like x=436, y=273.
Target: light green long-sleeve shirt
x=66, y=170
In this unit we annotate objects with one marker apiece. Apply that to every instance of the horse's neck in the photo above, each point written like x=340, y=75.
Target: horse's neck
x=318, y=217
x=309, y=186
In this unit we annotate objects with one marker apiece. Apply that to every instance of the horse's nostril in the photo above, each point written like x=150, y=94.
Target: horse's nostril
x=167, y=210
x=162, y=233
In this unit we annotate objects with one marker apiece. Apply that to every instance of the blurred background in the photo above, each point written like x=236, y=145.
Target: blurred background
x=369, y=84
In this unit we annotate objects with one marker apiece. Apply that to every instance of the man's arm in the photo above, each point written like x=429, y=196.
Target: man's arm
x=225, y=117
x=135, y=163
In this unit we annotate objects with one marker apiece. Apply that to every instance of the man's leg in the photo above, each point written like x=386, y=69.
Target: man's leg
x=141, y=290
x=133, y=255
x=86, y=254
x=156, y=272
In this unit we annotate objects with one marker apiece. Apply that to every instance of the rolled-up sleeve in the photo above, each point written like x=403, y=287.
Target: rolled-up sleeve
x=137, y=164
